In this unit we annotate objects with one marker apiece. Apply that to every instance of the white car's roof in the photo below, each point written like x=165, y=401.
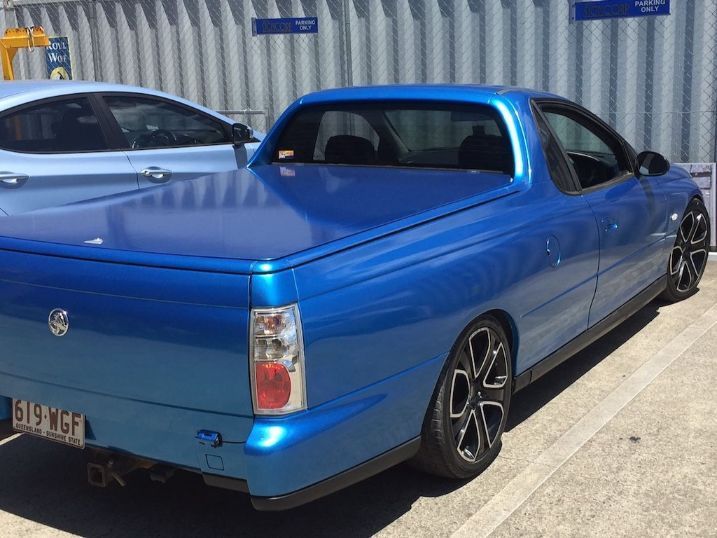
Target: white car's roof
x=18, y=92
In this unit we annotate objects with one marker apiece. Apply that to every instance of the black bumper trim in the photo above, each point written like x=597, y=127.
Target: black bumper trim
x=356, y=474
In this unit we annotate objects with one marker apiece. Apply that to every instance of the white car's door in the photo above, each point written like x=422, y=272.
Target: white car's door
x=54, y=152
x=169, y=141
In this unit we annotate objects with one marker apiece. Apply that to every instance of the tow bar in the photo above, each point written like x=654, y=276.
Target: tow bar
x=106, y=469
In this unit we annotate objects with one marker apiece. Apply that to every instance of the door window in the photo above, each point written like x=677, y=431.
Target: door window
x=596, y=156
x=153, y=123
x=66, y=126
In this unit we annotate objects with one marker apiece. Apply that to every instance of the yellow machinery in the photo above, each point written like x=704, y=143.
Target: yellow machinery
x=19, y=38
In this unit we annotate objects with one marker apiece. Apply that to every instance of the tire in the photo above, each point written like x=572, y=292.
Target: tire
x=688, y=257
x=465, y=422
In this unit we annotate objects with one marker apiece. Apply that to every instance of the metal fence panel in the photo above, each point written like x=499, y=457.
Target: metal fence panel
x=653, y=78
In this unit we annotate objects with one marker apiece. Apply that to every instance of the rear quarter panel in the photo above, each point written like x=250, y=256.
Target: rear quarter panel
x=384, y=308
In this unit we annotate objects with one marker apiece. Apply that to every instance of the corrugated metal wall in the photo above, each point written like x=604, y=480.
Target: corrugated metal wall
x=653, y=78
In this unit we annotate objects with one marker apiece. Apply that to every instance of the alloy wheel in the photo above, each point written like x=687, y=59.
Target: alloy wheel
x=689, y=255
x=478, y=394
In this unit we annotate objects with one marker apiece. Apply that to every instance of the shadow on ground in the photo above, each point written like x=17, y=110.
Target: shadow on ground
x=45, y=483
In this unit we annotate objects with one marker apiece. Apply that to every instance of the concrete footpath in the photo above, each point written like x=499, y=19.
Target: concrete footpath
x=620, y=440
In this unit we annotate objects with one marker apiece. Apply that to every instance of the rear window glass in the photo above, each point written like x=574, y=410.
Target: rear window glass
x=469, y=137
x=63, y=126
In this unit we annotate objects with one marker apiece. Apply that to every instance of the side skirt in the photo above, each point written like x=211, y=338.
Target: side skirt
x=588, y=337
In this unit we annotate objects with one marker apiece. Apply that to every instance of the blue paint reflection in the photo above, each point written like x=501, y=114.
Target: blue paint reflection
x=268, y=436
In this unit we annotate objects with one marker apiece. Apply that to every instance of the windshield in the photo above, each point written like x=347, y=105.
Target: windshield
x=440, y=135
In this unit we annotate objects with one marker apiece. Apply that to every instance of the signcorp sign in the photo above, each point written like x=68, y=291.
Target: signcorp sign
x=302, y=25
x=613, y=9
x=57, y=56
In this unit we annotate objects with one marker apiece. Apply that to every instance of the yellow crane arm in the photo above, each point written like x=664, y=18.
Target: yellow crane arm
x=19, y=38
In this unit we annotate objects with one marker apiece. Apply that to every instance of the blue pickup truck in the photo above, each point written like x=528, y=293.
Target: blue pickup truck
x=390, y=268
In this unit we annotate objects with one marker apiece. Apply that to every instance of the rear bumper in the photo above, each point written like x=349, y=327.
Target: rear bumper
x=284, y=456
x=325, y=487
x=342, y=480
x=281, y=462
x=147, y=430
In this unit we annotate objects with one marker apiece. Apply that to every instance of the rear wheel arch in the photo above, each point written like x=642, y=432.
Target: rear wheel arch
x=474, y=431
x=504, y=319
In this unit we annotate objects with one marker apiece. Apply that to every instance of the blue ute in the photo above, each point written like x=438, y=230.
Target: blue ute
x=391, y=267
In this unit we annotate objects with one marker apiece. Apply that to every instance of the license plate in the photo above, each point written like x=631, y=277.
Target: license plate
x=49, y=422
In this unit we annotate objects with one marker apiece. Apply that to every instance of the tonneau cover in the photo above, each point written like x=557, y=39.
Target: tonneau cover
x=265, y=213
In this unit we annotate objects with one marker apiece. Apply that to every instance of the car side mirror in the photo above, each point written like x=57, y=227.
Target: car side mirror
x=241, y=134
x=651, y=163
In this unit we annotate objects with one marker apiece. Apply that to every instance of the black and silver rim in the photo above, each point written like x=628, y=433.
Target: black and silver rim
x=689, y=255
x=478, y=394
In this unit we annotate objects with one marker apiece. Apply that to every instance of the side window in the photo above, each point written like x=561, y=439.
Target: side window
x=557, y=166
x=65, y=126
x=596, y=156
x=152, y=123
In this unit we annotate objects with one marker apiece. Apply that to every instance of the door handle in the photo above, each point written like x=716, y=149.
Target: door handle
x=12, y=180
x=157, y=174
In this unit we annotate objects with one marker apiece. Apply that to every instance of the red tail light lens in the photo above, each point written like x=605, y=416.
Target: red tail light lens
x=273, y=385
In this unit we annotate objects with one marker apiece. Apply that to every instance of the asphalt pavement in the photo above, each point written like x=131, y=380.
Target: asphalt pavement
x=620, y=440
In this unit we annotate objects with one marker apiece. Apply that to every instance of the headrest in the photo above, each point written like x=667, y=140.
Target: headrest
x=486, y=152
x=349, y=149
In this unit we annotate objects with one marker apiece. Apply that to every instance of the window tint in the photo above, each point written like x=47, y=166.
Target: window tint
x=440, y=128
x=337, y=124
x=596, y=156
x=52, y=127
x=468, y=137
x=151, y=123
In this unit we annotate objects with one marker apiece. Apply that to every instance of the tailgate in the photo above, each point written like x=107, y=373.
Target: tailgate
x=164, y=336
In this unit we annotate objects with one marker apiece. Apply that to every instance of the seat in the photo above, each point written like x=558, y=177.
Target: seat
x=349, y=149
x=78, y=129
x=486, y=152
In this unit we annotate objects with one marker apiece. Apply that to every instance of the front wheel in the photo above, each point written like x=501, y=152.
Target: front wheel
x=689, y=254
x=463, y=427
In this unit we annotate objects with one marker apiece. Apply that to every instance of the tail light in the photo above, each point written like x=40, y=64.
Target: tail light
x=277, y=361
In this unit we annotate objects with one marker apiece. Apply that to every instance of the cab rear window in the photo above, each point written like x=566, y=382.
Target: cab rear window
x=467, y=137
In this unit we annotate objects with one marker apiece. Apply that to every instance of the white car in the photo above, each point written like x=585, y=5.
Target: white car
x=65, y=141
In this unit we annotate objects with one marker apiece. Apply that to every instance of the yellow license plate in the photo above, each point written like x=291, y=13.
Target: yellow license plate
x=49, y=423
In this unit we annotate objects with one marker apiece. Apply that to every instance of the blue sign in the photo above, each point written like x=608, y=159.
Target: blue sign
x=613, y=9
x=303, y=25
x=57, y=56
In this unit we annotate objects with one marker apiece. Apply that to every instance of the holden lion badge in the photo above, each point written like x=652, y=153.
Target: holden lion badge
x=59, y=322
